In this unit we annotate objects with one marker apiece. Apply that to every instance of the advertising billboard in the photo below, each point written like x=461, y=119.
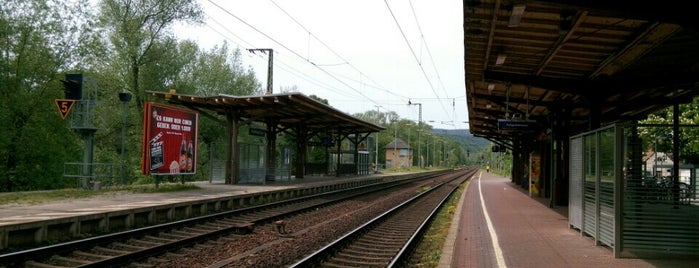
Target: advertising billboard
x=169, y=140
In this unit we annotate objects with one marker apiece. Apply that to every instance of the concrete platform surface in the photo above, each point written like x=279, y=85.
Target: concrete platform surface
x=499, y=225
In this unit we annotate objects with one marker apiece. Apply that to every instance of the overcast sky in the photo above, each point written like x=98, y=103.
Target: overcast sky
x=357, y=54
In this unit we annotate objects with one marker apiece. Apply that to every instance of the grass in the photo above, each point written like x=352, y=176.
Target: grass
x=38, y=197
x=165, y=188
x=432, y=242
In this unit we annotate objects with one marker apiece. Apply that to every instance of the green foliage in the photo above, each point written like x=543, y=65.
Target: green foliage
x=139, y=36
x=126, y=46
x=659, y=135
x=39, y=38
x=38, y=197
x=439, y=147
x=50, y=144
x=428, y=251
x=164, y=188
x=213, y=72
x=319, y=99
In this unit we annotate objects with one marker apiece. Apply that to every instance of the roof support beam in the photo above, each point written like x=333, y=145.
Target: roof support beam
x=555, y=84
x=669, y=11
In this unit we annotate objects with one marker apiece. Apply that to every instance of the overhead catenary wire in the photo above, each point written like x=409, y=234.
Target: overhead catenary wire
x=292, y=51
x=366, y=90
x=344, y=61
x=419, y=63
x=280, y=63
x=429, y=52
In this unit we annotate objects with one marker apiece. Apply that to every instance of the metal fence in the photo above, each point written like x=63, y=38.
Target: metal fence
x=93, y=175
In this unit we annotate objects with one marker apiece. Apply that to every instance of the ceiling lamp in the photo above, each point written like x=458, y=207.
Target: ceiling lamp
x=500, y=59
x=516, y=16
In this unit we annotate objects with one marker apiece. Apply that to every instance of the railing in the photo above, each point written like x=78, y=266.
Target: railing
x=93, y=175
x=662, y=190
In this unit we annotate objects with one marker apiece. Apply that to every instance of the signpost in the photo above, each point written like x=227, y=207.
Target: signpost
x=517, y=125
x=64, y=107
x=257, y=132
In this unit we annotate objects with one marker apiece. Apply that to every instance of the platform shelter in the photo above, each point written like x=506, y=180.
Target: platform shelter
x=565, y=87
x=308, y=120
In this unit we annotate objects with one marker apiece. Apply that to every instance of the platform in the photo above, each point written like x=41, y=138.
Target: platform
x=499, y=225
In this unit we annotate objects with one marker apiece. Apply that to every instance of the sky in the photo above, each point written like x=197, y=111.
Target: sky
x=360, y=55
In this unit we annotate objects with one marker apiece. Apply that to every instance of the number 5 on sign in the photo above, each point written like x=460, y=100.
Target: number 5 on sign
x=64, y=106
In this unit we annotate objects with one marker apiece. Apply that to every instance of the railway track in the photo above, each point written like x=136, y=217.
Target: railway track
x=145, y=247
x=134, y=246
x=387, y=240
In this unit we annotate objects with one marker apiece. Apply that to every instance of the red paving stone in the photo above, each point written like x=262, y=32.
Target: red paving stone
x=530, y=233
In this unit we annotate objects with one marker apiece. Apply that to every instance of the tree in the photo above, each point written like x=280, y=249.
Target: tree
x=659, y=138
x=141, y=51
x=319, y=99
x=183, y=66
x=213, y=72
x=40, y=40
x=136, y=27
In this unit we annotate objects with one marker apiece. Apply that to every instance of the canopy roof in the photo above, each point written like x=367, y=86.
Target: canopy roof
x=287, y=109
x=584, y=63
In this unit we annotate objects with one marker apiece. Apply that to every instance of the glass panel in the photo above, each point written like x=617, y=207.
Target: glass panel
x=590, y=157
x=606, y=163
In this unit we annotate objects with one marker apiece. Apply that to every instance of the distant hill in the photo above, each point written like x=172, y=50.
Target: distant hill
x=465, y=138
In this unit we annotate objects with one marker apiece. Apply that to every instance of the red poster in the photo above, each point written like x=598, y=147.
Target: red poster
x=169, y=140
x=534, y=174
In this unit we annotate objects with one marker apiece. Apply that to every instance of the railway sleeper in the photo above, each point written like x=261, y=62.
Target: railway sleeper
x=227, y=221
x=383, y=240
x=69, y=261
x=211, y=227
x=159, y=239
x=91, y=256
x=34, y=264
x=129, y=247
x=399, y=229
x=141, y=242
x=113, y=252
x=181, y=234
x=366, y=254
x=361, y=262
x=363, y=245
x=194, y=230
x=174, y=235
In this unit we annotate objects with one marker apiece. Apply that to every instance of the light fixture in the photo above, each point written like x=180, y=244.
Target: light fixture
x=516, y=16
x=490, y=88
x=500, y=59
